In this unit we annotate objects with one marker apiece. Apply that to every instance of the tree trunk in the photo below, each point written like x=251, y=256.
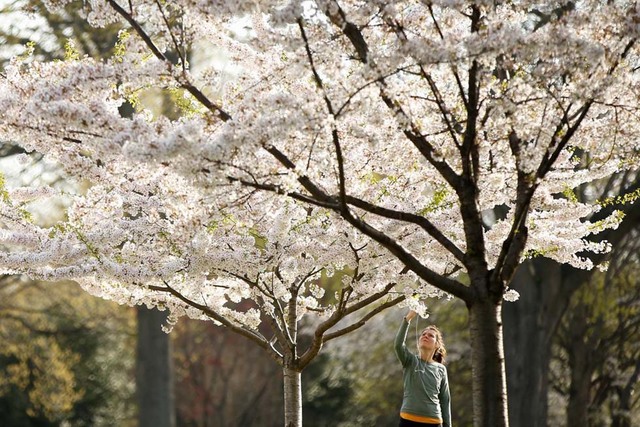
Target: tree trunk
x=292, y=397
x=530, y=324
x=579, y=352
x=154, y=373
x=621, y=416
x=488, y=367
x=526, y=340
x=579, y=393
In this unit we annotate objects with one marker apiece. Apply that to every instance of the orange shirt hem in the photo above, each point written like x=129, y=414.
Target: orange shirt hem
x=419, y=419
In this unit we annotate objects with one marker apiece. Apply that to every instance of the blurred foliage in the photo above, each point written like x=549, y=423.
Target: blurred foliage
x=66, y=357
x=325, y=397
x=598, y=344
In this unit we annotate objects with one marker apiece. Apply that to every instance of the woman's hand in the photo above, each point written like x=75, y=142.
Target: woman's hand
x=410, y=315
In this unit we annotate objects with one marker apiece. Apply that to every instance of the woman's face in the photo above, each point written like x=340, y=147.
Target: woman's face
x=428, y=339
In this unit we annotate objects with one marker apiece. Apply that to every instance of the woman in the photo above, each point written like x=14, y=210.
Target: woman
x=426, y=400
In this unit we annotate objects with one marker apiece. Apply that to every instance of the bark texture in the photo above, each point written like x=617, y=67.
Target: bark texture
x=154, y=371
x=292, y=397
x=489, y=382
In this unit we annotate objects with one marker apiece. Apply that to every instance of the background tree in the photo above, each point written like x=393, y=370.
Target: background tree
x=459, y=141
x=63, y=358
x=547, y=288
x=597, y=346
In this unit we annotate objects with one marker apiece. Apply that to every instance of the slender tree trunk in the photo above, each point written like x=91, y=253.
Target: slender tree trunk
x=154, y=372
x=292, y=397
x=488, y=366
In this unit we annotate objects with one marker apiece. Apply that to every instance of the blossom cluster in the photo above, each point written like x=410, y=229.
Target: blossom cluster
x=238, y=209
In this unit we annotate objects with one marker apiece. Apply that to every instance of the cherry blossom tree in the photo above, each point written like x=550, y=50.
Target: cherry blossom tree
x=422, y=146
x=249, y=261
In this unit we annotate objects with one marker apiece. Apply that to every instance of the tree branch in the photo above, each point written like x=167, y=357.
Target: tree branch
x=360, y=323
x=453, y=67
x=281, y=333
x=202, y=98
x=173, y=38
x=316, y=76
x=253, y=336
x=450, y=286
x=419, y=220
x=339, y=314
x=351, y=31
x=329, y=204
x=334, y=132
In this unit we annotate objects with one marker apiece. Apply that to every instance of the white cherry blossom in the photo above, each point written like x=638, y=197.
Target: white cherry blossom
x=370, y=139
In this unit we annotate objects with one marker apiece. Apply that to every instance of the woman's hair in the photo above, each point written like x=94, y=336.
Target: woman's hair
x=441, y=351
